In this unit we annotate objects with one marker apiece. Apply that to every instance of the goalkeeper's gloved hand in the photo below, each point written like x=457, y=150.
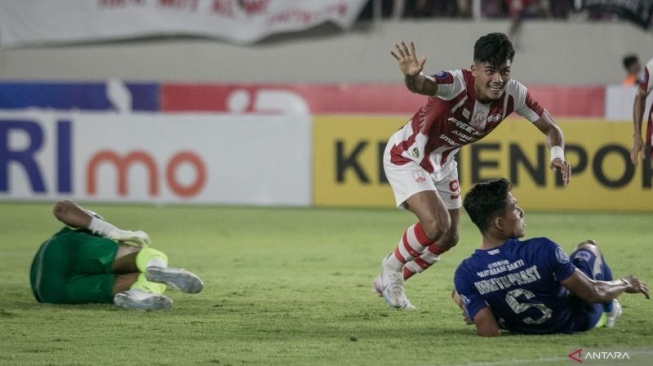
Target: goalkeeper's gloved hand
x=135, y=238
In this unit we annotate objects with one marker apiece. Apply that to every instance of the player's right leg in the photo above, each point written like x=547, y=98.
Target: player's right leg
x=144, y=288
x=154, y=265
x=418, y=265
x=589, y=259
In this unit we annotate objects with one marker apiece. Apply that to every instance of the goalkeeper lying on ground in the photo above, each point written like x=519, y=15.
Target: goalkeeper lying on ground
x=92, y=261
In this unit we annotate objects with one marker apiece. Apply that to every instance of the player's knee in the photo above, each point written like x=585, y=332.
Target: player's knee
x=435, y=228
x=449, y=241
x=61, y=208
x=589, y=245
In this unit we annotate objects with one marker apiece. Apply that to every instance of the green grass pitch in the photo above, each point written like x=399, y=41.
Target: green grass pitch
x=291, y=286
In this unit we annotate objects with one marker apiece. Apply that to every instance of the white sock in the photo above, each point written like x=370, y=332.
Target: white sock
x=155, y=262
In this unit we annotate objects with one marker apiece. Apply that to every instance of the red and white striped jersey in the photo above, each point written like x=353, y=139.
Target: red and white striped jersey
x=453, y=118
x=645, y=84
x=645, y=81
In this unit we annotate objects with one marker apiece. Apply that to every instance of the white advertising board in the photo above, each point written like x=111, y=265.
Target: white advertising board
x=184, y=158
x=619, y=103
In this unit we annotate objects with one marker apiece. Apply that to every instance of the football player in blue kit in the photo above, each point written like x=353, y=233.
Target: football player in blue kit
x=531, y=286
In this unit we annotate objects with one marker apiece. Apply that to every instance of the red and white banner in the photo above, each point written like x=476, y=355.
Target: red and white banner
x=237, y=21
x=377, y=99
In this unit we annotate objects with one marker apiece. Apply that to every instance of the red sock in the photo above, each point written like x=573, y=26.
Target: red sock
x=412, y=244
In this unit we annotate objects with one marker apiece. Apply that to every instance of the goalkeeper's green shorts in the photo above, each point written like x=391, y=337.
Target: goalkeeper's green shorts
x=74, y=267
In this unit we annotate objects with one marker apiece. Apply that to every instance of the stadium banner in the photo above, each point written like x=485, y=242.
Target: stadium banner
x=155, y=158
x=395, y=99
x=370, y=99
x=110, y=96
x=348, y=170
x=239, y=21
x=619, y=101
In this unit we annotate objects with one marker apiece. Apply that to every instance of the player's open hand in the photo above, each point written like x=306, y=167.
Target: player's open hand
x=409, y=64
x=459, y=301
x=563, y=167
x=635, y=286
x=636, y=152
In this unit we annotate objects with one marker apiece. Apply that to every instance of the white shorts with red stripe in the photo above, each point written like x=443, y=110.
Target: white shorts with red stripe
x=410, y=178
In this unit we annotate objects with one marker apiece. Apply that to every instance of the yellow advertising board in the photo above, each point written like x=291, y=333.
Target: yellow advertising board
x=348, y=170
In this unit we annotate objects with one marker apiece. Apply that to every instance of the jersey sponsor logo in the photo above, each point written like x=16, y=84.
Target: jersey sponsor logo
x=465, y=127
x=449, y=141
x=479, y=120
x=419, y=176
x=441, y=75
x=494, y=118
x=454, y=187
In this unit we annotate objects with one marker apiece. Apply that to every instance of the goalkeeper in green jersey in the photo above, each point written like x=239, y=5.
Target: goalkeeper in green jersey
x=92, y=261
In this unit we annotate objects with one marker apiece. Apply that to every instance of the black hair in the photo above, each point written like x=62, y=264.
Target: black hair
x=494, y=48
x=487, y=200
x=630, y=60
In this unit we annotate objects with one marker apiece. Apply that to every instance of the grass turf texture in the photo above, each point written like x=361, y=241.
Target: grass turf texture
x=287, y=286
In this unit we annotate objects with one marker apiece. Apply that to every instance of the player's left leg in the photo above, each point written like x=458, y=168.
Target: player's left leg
x=433, y=252
x=415, y=190
x=109, y=288
x=154, y=265
x=134, y=291
x=449, y=191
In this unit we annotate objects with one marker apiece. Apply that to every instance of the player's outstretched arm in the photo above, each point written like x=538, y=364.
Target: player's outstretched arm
x=593, y=291
x=412, y=68
x=555, y=139
x=72, y=214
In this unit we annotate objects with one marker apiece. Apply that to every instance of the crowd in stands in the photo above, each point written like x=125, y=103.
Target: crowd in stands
x=489, y=9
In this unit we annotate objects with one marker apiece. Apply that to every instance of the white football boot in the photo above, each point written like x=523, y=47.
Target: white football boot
x=178, y=278
x=392, y=286
x=139, y=299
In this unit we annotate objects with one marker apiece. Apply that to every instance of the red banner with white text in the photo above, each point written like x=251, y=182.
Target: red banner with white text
x=351, y=99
